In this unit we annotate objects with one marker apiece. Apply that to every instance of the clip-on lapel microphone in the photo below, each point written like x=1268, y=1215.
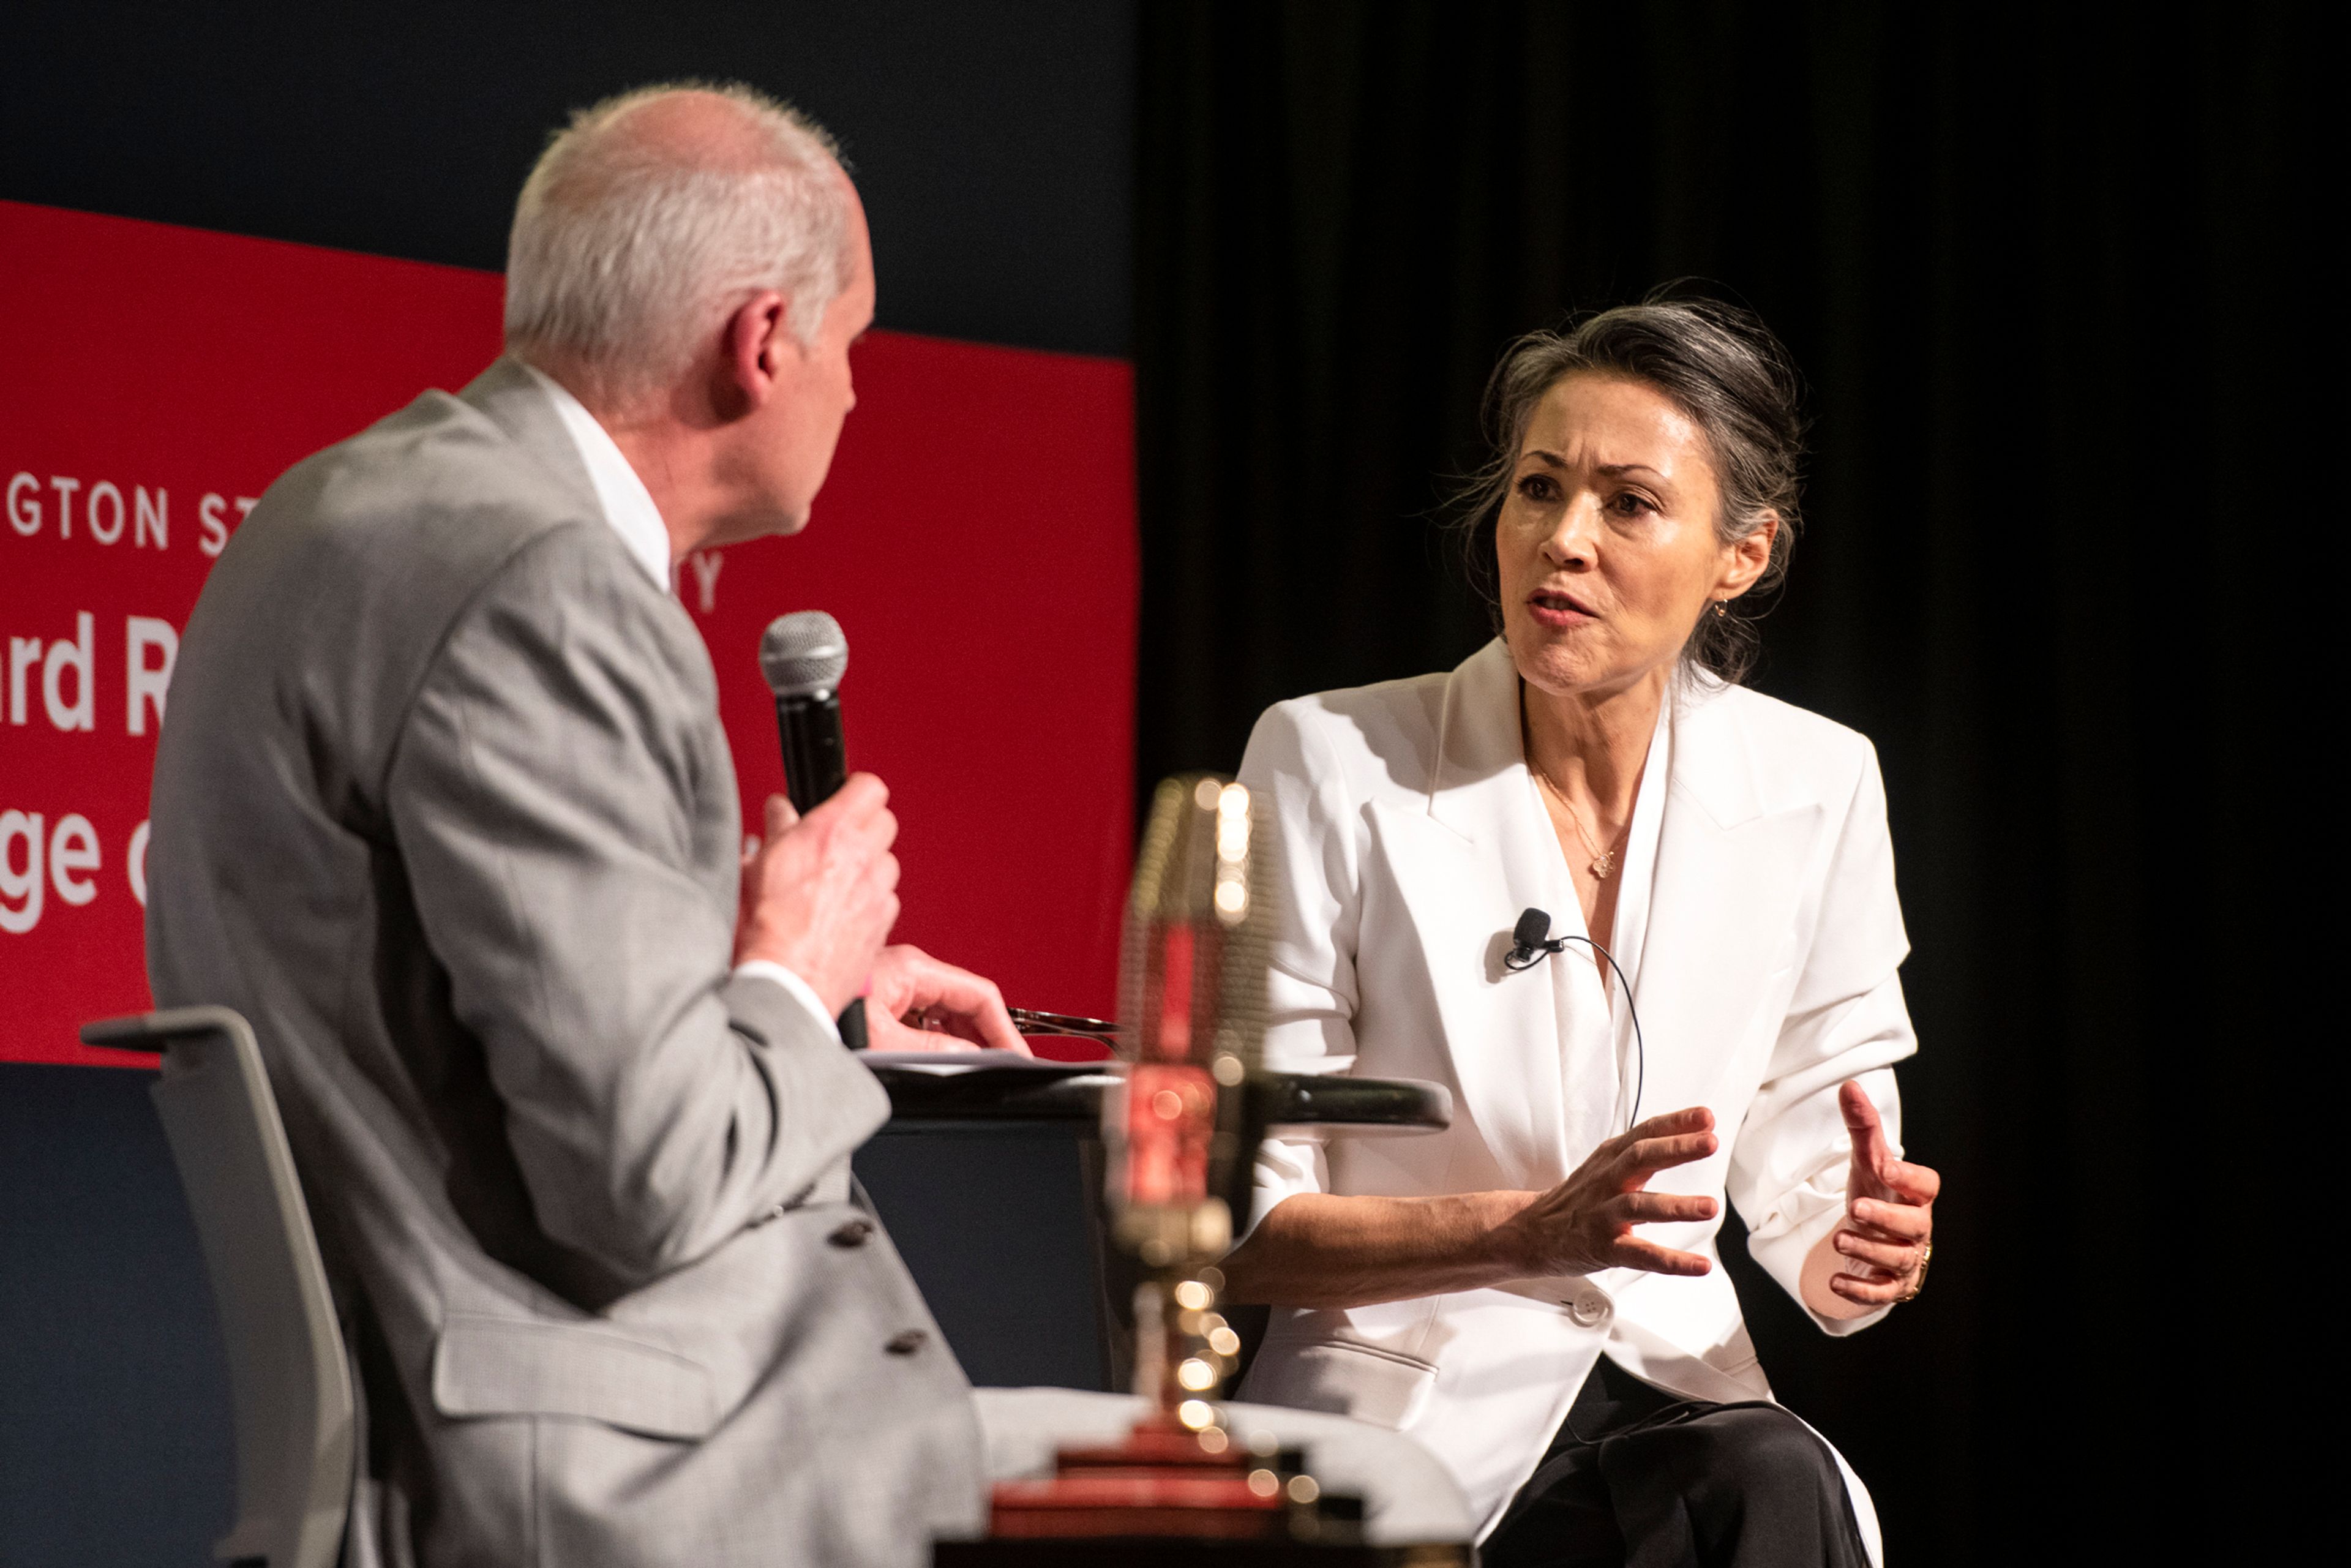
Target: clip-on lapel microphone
x=1529, y=946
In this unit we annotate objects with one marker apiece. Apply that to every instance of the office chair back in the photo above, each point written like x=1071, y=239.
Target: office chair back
x=288, y=1377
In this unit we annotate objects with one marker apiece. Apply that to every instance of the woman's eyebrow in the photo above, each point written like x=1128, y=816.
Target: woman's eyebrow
x=1614, y=470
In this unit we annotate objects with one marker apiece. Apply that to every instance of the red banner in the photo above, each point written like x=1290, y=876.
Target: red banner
x=975, y=541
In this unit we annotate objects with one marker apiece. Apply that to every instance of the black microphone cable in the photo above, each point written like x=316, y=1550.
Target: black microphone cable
x=1533, y=944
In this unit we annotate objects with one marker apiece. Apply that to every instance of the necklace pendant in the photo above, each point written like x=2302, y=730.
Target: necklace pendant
x=1603, y=865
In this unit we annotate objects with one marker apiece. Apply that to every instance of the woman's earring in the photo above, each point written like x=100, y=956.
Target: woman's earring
x=1721, y=609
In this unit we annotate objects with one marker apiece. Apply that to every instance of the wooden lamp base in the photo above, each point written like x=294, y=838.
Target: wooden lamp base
x=1168, y=1495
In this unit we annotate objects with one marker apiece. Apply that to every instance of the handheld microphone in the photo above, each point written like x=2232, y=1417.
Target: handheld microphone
x=803, y=656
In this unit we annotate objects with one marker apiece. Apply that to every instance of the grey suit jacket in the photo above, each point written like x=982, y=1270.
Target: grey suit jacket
x=444, y=807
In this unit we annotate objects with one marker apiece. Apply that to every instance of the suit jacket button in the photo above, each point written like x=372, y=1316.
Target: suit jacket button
x=906, y=1343
x=852, y=1234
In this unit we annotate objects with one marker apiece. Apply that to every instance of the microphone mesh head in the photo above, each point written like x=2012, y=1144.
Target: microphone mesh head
x=802, y=654
x=1533, y=927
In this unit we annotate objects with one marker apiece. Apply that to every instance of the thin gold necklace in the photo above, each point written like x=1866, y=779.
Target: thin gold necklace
x=1603, y=860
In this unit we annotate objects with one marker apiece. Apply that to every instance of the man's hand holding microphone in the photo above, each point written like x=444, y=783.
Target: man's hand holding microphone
x=819, y=896
x=821, y=887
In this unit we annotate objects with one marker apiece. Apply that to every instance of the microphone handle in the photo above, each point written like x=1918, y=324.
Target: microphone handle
x=815, y=765
x=816, y=761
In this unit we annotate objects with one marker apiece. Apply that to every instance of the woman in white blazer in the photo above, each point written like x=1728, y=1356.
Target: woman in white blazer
x=1534, y=1294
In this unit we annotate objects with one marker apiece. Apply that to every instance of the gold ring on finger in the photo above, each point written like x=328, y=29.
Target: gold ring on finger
x=1918, y=1277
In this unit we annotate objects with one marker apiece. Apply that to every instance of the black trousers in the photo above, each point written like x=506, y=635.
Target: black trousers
x=1640, y=1478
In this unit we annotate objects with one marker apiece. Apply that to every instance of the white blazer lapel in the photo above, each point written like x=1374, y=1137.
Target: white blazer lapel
x=1727, y=882
x=1477, y=854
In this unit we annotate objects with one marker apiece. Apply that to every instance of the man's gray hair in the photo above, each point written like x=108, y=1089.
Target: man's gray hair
x=628, y=251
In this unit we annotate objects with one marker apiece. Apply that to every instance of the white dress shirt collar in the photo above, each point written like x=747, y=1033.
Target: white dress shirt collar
x=628, y=505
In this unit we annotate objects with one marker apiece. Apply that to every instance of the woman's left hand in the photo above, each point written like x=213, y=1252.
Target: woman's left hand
x=1889, y=1214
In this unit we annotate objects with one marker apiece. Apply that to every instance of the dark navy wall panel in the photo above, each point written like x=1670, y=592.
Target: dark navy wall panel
x=115, y=1442
x=993, y=143
x=992, y=1221
x=116, y=1445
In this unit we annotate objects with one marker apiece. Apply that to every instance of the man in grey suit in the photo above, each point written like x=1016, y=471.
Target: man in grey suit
x=443, y=805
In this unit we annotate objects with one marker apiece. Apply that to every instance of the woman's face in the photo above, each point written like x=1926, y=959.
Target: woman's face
x=1606, y=539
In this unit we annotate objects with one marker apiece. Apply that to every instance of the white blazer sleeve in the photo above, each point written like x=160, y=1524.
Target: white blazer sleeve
x=1311, y=994
x=1846, y=1020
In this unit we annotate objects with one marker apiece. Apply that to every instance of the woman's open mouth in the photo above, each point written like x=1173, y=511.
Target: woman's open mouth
x=1553, y=607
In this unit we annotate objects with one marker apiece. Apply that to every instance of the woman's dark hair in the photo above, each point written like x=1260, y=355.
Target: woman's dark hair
x=1724, y=370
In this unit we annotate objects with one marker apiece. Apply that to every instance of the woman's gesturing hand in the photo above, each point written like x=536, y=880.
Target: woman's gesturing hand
x=1889, y=1221
x=1585, y=1223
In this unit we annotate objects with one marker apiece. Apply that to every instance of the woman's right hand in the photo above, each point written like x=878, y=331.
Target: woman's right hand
x=1585, y=1223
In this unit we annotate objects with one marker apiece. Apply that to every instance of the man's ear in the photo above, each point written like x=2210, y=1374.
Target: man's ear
x=1745, y=559
x=757, y=338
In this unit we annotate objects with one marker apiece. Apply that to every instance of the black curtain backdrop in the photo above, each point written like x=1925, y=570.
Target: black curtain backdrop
x=2058, y=287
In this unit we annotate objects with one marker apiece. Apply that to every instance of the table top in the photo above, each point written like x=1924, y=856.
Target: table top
x=973, y=1086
